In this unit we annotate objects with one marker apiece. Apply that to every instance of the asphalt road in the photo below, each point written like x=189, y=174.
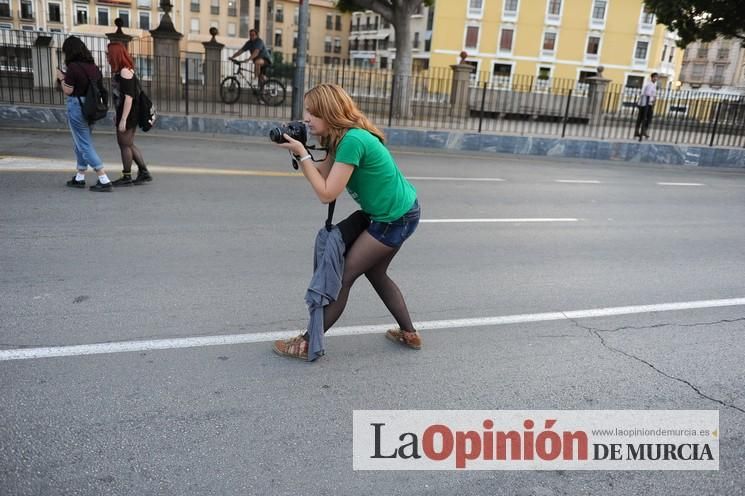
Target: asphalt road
x=220, y=243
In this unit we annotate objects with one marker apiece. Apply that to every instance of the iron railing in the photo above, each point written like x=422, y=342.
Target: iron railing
x=505, y=104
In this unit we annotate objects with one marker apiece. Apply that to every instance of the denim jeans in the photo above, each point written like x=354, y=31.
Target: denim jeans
x=82, y=139
x=394, y=233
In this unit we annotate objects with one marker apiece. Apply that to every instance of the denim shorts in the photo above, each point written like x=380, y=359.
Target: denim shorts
x=394, y=233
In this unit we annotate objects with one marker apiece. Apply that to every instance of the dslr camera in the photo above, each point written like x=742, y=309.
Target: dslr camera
x=295, y=130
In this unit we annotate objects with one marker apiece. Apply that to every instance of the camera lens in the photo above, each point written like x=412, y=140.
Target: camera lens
x=275, y=134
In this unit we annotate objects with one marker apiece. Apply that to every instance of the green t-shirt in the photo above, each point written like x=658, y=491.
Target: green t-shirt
x=376, y=183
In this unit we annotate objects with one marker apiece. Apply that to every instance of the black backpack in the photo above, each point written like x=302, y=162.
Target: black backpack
x=145, y=111
x=96, y=104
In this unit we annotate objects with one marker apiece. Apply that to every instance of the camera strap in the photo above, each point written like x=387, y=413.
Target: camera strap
x=330, y=216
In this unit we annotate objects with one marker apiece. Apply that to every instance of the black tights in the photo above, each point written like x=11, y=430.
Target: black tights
x=129, y=151
x=370, y=257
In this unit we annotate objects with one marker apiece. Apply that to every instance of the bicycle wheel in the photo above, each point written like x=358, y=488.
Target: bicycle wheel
x=272, y=92
x=230, y=90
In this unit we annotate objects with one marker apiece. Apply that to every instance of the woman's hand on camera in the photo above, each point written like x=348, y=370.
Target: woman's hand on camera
x=293, y=145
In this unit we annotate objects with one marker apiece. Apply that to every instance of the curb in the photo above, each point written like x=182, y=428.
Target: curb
x=571, y=148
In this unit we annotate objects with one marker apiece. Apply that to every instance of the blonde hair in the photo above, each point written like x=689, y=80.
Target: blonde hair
x=333, y=104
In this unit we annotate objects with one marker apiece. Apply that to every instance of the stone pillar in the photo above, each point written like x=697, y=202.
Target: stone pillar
x=460, y=90
x=119, y=35
x=596, y=96
x=166, y=81
x=44, y=62
x=212, y=66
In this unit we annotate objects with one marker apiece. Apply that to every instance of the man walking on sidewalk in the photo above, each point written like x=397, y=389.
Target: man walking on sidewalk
x=646, y=104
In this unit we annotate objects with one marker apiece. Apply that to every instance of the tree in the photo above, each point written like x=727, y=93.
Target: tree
x=398, y=13
x=702, y=20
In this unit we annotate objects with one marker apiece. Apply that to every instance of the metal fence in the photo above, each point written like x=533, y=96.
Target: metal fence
x=506, y=104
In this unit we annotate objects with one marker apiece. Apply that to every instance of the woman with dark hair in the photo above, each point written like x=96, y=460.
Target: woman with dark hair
x=81, y=71
x=124, y=89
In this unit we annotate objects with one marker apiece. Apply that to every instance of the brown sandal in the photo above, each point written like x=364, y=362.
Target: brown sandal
x=296, y=347
x=406, y=338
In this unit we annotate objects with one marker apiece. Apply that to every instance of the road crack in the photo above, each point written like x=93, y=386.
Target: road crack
x=596, y=332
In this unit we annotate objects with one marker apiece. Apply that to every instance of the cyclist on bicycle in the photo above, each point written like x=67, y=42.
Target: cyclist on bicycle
x=259, y=54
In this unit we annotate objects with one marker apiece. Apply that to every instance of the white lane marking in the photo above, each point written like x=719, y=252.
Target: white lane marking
x=454, y=221
x=578, y=181
x=438, y=178
x=679, y=184
x=20, y=164
x=194, y=342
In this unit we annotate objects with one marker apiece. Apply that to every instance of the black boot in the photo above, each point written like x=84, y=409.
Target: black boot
x=125, y=180
x=102, y=188
x=74, y=183
x=143, y=176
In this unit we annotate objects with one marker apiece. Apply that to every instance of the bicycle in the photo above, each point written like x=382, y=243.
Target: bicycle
x=270, y=91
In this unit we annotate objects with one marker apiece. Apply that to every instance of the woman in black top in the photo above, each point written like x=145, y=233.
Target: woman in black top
x=80, y=72
x=124, y=90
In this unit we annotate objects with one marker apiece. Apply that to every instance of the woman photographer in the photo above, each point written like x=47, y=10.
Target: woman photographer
x=81, y=71
x=359, y=161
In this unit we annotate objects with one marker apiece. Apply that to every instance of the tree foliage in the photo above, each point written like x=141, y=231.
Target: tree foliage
x=702, y=20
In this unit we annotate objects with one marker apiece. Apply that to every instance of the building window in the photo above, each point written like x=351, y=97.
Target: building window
x=593, y=47
x=510, y=6
x=103, y=16
x=194, y=25
x=671, y=55
x=640, y=52
x=549, y=42
x=505, y=40
x=294, y=40
x=215, y=7
x=81, y=15
x=475, y=7
x=279, y=15
x=697, y=74
x=278, y=39
x=554, y=8
x=5, y=9
x=194, y=6
x=329, y=22
x=232, y=10
x=327, y=47
x=501, y=74
x=124, y=16
x=337, y=45
x=472, y=37
x=144, y=20
x=337, y=26
x=55, y=12
x=144, y=67
x=27, y=10
x=598, y=10
x=544, y=73
x=634, y=82
x=647, y=16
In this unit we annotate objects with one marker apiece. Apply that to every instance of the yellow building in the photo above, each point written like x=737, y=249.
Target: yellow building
x=328, y=31
x=555, y=39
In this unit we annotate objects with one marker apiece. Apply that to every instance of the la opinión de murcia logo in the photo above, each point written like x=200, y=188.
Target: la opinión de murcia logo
x=537, y=444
